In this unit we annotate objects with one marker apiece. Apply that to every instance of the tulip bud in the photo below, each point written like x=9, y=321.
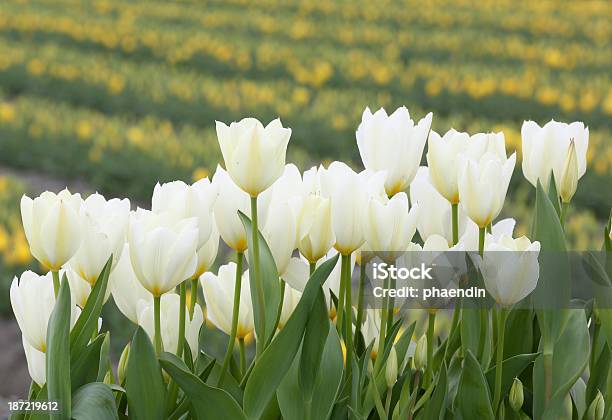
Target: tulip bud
x=391, y=368
x=420, y=353
x=501, y=411
x=569, y=182
x=108, y=378
x=566, y=414
x=597, y=407
x=516, y=395
x=123, y=364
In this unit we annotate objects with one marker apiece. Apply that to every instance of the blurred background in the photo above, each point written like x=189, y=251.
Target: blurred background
x=115, y=95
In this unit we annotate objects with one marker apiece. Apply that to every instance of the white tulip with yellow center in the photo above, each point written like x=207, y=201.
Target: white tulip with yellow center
x=315, y=232
x=169, y=319
x=125, y=287
x=103, y=231
x=371, y=330
x=32, y=300
x=443, y=161
x=469, y=239
x=36, y=360
x=208, y=252
x=392, y=143
x=162, y=249
x=510, y=269
x=51, y=224
x=254, y=155
x=483, y=185
x=558, y=148
x=219, y=296
x=185, y=201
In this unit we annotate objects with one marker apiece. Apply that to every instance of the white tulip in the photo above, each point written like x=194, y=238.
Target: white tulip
x=162, y=249
x=169, y=320
x=254, y=155
x=125, y=287
x=52, y=226
x=392, y=143
x=80, y=289
x=388, y=225
x=208, y=252
x=186, y=201
x=510, y=269
x=435, y=213
x=469, y=239
x=443, y=161
x=349, y=193
x=290, y=301
x=371, y=329
x=315, y=233
x=279, y=231
x=219, y=297
x=558, y=148
x=483, y=186
x=103, y=228
x=37, y=366
x=32, y=300
x=230, y=200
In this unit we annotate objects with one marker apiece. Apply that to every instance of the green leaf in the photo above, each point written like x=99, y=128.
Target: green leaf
x=208, y=402
x=58, y=352
x=87, y=324
x=84, y=366
x=315, y=337
x=104, y=363
x=94, y=401
x=553, y=195
x=269, y=281
x=276, y=360
x=473, y=399
x=144, y=386
x=511, y=368
x=435, y=408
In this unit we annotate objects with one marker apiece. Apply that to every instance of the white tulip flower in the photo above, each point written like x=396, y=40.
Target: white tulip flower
x=219, y=297
x=290, y=301
x=371, y=329
x=162, y=249
x=36, y=360
x=392, y=143
x=169, y=320
x=558, y=148
x=483, y=186
x=469, y=239
x=103, y=231
x=32, y=300
x=254, y=155
x=125, y=287
x=315, y=232
x=510, y=269
x=185, y=201
x=52, y=226
x=443, y=161
x=389, y=225
x=279, y=231
x=208, y=252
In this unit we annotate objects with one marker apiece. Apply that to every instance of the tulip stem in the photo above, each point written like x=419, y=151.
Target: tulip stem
x=157, y=315
x=484, y=317
x=181, y=327
x=431, y=322
x=500, y=356
x=340, y=304
x=362, y=273
x=481, y=240
x=455, y=222
x=313, y=267
x=563, y=215
x=390, y=306
x=346, y=273
x=388, y=401
x=193, y=297
x=235, y=312
x=260, y=341
x=280, y=304
x=56, y=281
x=242, y=355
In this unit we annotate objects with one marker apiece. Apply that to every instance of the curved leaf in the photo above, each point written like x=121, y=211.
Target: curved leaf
x=511, y=368
x=473, y=400
x=94, y=401
x=435, y=408
x=315, y=337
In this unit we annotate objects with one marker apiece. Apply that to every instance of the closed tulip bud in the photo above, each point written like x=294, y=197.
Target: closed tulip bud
x=52, y=226
x=123, y=364
x=420, y=354
x=103, y=228
x=597, y=408
x=32, y=300
x=125, y=287
x=36, y=361
x=254, y=155
x=392, y=143
x=108, y=378
x=512, y=274
x=219, y=297
x=315, y=233
x=186, y=201
x=549, y=149
x=208, y=252
x=483, y=186
x=516, y=395
x=443, y=162
x=162, y=249
x=169, y=320
x=391, y=368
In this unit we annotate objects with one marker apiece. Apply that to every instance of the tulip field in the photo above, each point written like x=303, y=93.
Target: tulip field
x=306, y=210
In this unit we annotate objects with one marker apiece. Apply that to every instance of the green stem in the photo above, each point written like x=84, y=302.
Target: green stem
x=390, y=307
x=548, y=372
x=194, y=296
x=430, y=345
x=280, y=305
x=481, y=240
x=380, y=409
x=340, y=306
x=455, y=222
x=235, y=311
x=563, y=215
x=484, y=317
x=453, y=326
x=501, y=326
x=362, y=275
x=181, y=326
x=415, y=394
x=383, y=321
x=313, y=267
x=388, y=401
x=346, y=262
x=256, y=275
x=242, y=355
x=56, y=281
x=157, y=316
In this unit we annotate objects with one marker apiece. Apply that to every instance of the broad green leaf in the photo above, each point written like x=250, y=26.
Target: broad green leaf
x=600, y=365
x=84, y=366
x=58, y=352
x=519, y=333
x=511, y=368
x=578, y=393
x=269, y=281
x=104, y=362
x=553, y=195
x=276, y=360
x=208, y=402
x=94, y=401
x=315, y=337
x=87, y=324
x=145, y=389
x=435, y=408
x=473, y=400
